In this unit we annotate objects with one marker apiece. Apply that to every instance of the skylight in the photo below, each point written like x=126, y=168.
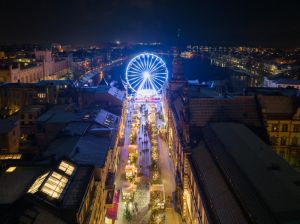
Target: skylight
x=55, y=185
x=66, y=167
x=11, y=169
x=10, y=156
x=37, y=183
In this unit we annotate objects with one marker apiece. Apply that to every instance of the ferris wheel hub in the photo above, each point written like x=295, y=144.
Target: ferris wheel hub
x=146, y=75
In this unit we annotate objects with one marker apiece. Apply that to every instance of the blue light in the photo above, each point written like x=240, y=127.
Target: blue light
x=146, y=74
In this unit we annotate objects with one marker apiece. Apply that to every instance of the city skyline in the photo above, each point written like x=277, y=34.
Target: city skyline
x=266, y=24
x=149, y=112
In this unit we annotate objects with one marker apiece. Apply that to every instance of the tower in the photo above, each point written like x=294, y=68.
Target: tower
x=177, y=69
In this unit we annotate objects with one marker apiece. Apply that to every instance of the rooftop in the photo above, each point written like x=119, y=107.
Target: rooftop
x=61, y=183
x=54, y=82
x=61, y=114
x=77, y=188
x=288, y=81
x=203, y=91
x=270, y=91
x=32, y=109
x=14, y=184
x=89, y=149
x=7, y=125
x=262, y=182
x=238, y=109
x=117, y=93
x=273, y=106
x=76, y=128
x=92, y=150
x=107, y=119
x=111, y=90
x=38, y=215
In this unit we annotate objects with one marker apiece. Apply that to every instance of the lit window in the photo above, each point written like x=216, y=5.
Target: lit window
x=55, y=185
x=66, y=167
x=37, y=183
x=41, y=95
x=10, y=156
x=10, y=169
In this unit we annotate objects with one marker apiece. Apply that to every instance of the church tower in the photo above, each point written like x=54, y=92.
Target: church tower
x=177, y=69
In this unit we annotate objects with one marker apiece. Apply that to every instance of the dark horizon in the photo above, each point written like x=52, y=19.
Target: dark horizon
x=79, y=22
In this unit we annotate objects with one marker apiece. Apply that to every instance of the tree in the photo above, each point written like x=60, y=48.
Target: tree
x=128, y=215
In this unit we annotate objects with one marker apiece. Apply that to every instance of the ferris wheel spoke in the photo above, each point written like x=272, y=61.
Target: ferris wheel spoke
x=131, y=74
x=159, y=77
x=147, y=61
x=145, y=86
x=148, y=84
x=160, y=74
x=157, y=68
x=136, y=66
x=150, y=63
x=142, y=62
x=139, y=62
x=141, y=85
x=134, y=69
x=155, y=64
x=132, y=79
x=160, y=80
x=136, y=83
x=135, y=87
x=154, y=85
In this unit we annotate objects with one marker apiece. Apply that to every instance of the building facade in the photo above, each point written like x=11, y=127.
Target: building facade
x=45, y=67
x=282, y=120
x=9, y=135
x=188, y=108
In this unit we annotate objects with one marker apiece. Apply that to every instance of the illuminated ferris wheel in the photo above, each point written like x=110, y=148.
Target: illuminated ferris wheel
x=146, y=74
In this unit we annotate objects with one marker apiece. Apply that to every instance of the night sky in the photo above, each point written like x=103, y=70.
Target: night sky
x=213, y=22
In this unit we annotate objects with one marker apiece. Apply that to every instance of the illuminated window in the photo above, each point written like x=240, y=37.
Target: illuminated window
x=55, y=185
x=41, y=95
x=10, y=156
x=10, y=169
x=37, y=183
x=66, y=167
